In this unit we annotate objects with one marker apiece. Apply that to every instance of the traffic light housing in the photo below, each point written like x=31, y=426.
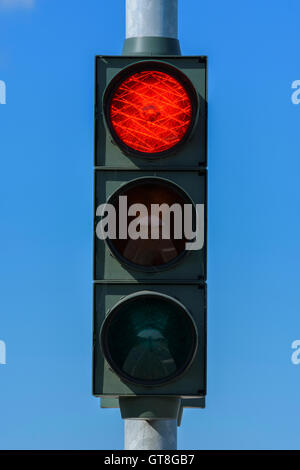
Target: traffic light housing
x=149, y=294
x=190, y=152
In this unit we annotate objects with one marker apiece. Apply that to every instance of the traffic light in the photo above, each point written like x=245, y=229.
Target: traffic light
x=149, y=345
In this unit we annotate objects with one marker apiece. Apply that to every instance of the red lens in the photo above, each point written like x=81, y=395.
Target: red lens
x=150, y=111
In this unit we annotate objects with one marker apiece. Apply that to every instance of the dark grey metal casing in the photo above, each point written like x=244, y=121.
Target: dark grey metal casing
x=192, y=383
x=191, y=155
x=107, y=267
x=186, y=280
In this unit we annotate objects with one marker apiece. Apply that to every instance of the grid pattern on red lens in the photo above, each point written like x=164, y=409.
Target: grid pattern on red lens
x=150, y=111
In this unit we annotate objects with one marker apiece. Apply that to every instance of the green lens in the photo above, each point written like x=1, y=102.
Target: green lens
x=149, y=339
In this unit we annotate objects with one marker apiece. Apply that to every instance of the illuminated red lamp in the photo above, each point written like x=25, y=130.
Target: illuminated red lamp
x=151, y=109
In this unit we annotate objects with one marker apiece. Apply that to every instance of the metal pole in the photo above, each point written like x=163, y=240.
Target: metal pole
x=151, y=27
x=150, y=435
x=152, y=18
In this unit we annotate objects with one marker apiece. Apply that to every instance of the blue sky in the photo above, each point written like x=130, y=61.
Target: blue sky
x=47, y=51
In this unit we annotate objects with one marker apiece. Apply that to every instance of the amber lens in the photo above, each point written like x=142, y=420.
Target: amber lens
x=151, y=253
x=150, y=111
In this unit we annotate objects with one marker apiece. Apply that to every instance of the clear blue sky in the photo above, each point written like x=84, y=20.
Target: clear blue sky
x=47, y=50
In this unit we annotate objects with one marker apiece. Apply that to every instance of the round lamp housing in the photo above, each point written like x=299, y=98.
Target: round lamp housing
x=149, y=338
x=150, y=109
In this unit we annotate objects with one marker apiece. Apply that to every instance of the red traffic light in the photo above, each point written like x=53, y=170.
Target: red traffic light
x=150, y=109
